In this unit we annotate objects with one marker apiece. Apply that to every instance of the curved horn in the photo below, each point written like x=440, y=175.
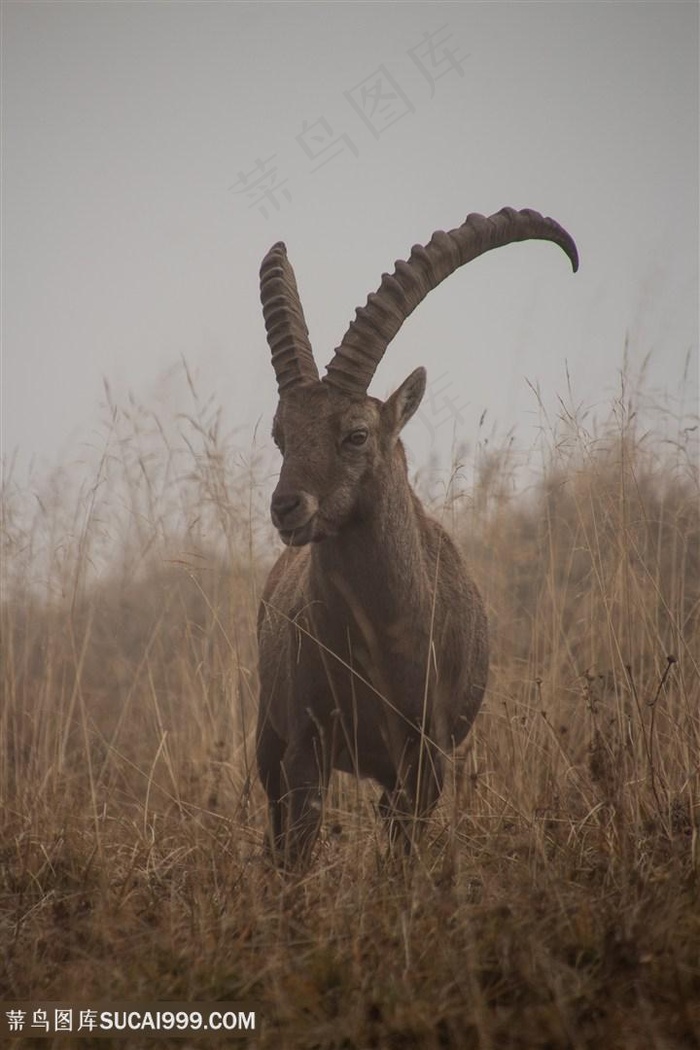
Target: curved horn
x=375, y=325
x=287, y=334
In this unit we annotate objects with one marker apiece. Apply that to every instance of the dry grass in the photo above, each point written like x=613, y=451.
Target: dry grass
x=555, y=902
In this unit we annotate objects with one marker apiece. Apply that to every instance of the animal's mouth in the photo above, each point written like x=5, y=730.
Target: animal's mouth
x=303, y=534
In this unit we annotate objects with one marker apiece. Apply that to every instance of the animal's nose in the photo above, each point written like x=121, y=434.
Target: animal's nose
x=283, y=506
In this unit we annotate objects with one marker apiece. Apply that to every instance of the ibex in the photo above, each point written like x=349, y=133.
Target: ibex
x=372, y=636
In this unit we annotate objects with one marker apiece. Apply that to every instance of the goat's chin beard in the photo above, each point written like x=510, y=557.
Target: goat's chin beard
x=308, y=533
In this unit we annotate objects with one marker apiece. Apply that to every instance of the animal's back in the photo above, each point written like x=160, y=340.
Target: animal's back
x=459, y=634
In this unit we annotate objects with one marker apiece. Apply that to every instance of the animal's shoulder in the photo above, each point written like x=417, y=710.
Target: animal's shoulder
x=447, y=564
x=285, y=589
x=440, y=544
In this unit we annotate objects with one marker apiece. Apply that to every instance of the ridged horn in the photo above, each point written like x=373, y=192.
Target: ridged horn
x=362, y=347
x=287, y=334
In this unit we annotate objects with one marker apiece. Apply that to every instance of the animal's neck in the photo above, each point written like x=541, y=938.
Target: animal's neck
x=378, y=557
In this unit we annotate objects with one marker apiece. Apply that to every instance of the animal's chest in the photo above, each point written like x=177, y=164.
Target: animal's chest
x=366, y=659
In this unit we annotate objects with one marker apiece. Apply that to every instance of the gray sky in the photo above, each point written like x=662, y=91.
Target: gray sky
x=152, y=152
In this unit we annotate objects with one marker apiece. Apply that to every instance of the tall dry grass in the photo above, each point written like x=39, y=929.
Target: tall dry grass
x=555, y=899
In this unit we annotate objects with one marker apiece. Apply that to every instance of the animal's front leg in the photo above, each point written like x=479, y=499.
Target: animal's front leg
x=270, y=750
x=419, y=781
x=305, y=775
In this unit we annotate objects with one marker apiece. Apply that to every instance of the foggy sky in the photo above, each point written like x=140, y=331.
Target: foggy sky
x=152, y=153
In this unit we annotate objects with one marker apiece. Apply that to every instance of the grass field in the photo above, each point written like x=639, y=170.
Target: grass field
x=556, y=898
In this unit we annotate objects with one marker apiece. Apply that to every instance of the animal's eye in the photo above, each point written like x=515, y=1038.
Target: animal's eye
x=357, y=437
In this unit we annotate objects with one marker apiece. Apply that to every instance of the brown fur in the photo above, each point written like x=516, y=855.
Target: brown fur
x=372, y=636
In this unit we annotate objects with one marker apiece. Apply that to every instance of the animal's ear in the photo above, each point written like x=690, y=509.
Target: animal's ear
x=402, y=404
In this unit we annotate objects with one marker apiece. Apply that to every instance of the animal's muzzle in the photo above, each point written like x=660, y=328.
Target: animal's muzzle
x=292, y=512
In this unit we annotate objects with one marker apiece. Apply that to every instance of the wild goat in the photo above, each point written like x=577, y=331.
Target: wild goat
x=372, y=636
